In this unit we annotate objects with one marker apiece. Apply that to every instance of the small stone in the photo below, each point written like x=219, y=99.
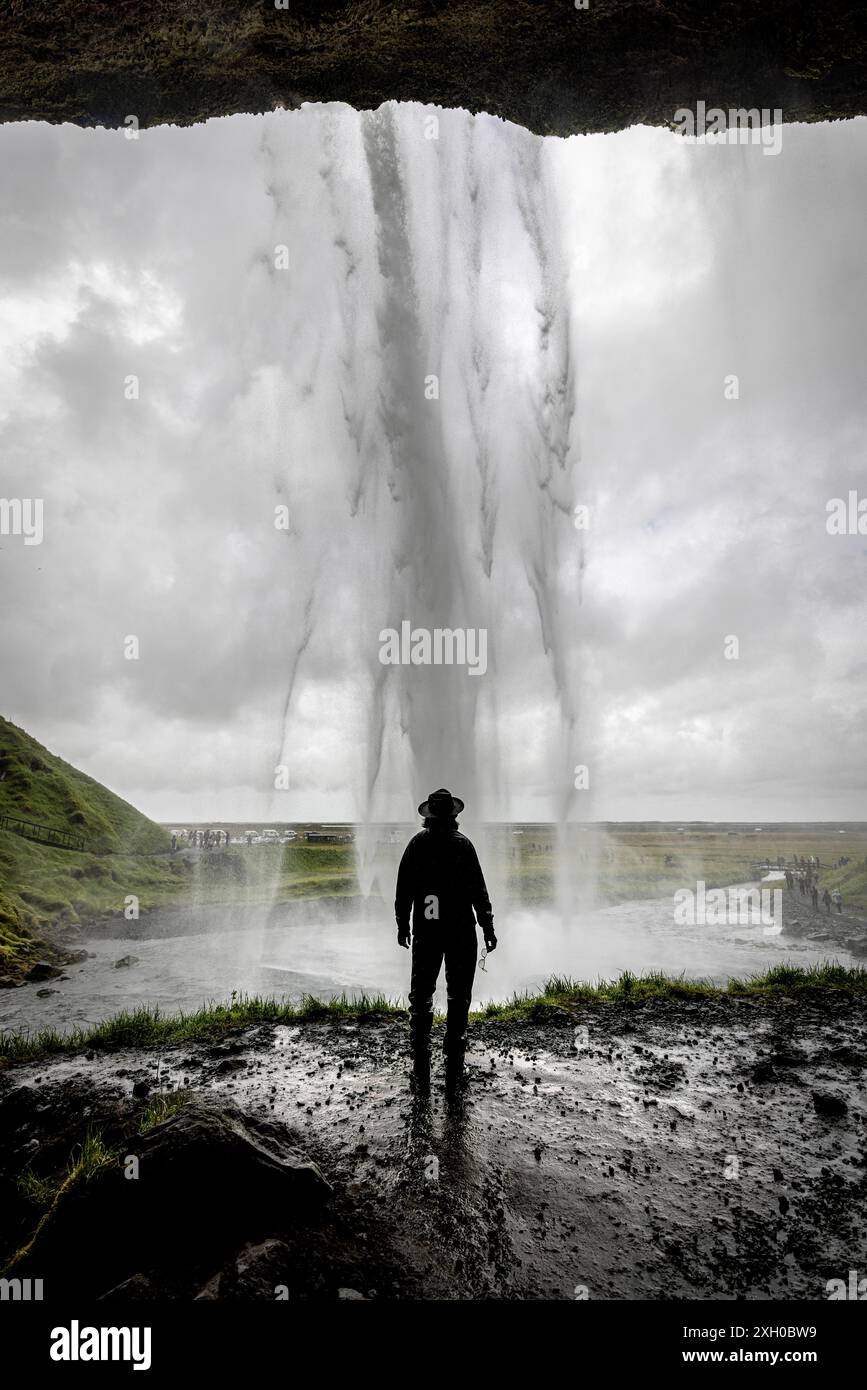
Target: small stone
x=830, y=1106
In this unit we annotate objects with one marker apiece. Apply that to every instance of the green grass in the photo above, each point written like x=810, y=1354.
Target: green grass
x=160, y=1107
x=87, y=1160
x=150, y=1028
x=39, y=1192
x=563, y=992
x=146, y=1027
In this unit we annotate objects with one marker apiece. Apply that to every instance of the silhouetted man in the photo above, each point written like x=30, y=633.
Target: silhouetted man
x=440, y=882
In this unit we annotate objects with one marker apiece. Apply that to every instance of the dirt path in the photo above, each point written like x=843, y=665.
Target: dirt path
x=841, y=930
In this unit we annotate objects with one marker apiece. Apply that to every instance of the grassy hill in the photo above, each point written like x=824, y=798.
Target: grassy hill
x=851, y=880
x=40, y=884
x=39, y=786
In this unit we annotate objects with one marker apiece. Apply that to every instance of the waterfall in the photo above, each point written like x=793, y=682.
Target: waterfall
x=427, y=420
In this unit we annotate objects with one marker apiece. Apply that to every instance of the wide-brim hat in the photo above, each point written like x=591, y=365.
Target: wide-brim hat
x=441, y=803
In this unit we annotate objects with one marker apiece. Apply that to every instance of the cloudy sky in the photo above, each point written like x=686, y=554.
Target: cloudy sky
x=282, y=289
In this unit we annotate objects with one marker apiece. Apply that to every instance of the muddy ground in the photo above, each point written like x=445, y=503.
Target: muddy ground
x=695, y=1149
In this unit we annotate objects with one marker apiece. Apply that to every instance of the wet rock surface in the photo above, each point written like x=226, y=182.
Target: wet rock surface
x=551, y=65
x=706, y=1148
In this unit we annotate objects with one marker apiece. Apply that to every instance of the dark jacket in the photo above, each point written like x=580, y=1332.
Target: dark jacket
x=441, y=864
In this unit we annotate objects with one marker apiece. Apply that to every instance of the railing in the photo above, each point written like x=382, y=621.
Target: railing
x=786, y=864
x=43, y=834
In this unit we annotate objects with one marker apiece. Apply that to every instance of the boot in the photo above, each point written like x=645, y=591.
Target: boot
x=456, y=1076
x=454, y=1065
x=419, y=1079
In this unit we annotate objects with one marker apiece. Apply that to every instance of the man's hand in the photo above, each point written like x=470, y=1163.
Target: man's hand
x=403, y=936
x=490, y=940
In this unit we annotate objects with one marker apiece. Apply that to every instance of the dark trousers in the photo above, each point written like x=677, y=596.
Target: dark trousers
x=433, y=943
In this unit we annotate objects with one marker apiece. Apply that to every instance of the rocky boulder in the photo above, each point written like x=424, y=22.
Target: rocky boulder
x=198, y=1184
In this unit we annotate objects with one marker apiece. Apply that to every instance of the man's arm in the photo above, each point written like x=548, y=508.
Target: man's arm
x=404, y=894
x=480, y=900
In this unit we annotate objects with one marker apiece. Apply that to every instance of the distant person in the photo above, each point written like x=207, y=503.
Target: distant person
x=790, y=882
x=826, y=899
x=174, y=843
x=802, y=884
x=440, y=882
x=814, y=895
x=837, y=899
